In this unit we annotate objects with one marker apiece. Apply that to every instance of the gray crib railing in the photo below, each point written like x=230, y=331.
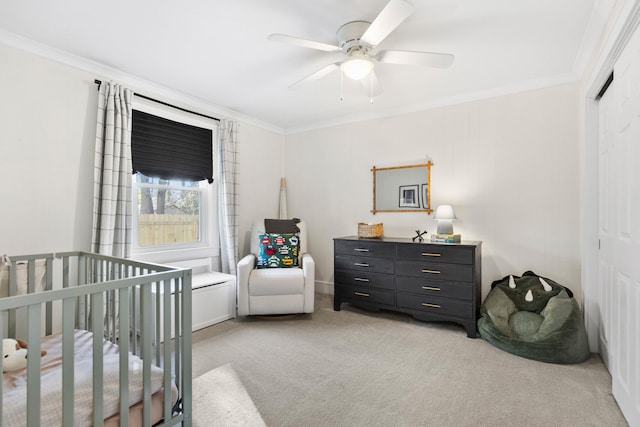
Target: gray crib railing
x=112, y=298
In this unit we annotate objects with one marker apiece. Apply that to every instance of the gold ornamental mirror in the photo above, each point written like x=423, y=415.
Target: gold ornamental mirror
x=402, y=188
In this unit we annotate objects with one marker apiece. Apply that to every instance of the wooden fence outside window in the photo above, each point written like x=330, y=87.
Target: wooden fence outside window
x=167, y=229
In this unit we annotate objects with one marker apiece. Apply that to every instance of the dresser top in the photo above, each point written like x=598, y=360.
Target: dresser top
x=406, y=240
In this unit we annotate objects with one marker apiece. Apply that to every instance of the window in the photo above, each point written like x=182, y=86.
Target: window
x=173, y=218
x=168, y=211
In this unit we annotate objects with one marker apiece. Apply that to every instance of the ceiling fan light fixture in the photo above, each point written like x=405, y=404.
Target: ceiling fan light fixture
x=357, y=68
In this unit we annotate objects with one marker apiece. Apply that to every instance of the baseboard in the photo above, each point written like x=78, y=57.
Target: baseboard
x=324, y=288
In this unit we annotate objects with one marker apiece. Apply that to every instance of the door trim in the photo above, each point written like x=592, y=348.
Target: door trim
x=627, y=22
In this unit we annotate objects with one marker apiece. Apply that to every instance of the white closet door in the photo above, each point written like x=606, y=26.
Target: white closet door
x=619, y=218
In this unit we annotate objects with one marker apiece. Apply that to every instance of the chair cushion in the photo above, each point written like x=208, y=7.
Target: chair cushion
x=281, y=225
x=278, y=250
x=276, y=281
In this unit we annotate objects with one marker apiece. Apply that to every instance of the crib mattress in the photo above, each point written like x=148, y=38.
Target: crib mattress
x=14, y=386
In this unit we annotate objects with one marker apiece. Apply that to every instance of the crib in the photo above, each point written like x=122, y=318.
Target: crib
x=113, y=358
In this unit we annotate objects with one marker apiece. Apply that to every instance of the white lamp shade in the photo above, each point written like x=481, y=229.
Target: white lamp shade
x=444, y=212
x=444, y=216
x=357, y=68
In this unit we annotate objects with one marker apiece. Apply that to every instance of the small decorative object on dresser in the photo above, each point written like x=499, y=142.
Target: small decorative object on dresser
x=419, y=235
x=370, y=231
x=430, y=281
x=445, y=238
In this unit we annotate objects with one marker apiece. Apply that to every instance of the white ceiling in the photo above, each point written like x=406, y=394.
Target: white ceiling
x=218, y=50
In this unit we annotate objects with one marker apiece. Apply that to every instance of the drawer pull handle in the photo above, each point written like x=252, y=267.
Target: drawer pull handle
x=431, y=288
x=361, y=250
x=360, y=264
x=431, y=271
x=361, y=294
x=426, y=304
x=360, y=279
x=430, y=254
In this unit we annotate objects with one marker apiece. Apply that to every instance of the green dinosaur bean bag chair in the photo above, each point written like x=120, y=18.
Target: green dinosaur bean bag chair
x=534, y=317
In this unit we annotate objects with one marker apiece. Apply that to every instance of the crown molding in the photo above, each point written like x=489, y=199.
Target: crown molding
x=519, y=87
x=592, y=39
x=164, y=93
x=137, y=84
x=624, y=25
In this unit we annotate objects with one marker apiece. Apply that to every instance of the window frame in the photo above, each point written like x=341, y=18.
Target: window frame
x=209, y=246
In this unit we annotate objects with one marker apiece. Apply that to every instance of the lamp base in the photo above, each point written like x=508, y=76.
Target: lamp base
x=445, y=226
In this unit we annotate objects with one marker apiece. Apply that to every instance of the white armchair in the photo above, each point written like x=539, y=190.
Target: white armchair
x=275, y=290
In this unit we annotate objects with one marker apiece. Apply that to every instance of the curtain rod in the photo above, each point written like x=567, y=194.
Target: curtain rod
x=99, y=82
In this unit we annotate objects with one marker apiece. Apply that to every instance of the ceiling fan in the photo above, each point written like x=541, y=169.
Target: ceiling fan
x=357, y=41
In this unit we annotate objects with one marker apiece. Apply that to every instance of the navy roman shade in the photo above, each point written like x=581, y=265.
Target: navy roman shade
x=167, y=149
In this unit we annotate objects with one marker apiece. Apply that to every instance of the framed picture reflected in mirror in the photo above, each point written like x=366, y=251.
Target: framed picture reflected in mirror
x=409, y=196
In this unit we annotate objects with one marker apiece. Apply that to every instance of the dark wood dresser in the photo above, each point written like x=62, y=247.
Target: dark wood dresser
x=430, y=281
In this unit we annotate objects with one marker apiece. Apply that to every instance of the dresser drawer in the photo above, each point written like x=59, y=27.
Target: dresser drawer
x=375, y=265
x=433, y=288
x=454, y=254
x=364, y=248
x=438, y=271
x=364, y=278
x=434, y=305
x=364, y=294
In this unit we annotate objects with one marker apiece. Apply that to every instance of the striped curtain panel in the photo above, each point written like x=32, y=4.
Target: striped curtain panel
x=228, y=194
x=111, y=233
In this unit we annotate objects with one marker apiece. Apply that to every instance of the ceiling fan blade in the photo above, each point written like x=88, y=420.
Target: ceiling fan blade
x=315, y=75
x=429, y=59
x=391, y=16
x=304, y=42
x=371, y=85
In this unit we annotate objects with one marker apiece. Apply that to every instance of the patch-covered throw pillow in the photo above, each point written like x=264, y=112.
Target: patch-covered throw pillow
x=278, y=250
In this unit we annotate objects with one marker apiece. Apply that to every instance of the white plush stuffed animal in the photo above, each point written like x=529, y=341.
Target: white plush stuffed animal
x=14, y=354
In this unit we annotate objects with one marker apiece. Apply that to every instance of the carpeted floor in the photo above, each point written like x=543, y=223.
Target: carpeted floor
x=355, y=368
x=220, y=399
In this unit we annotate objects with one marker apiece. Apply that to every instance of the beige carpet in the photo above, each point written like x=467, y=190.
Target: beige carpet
x=220, y=399
x=352, y=368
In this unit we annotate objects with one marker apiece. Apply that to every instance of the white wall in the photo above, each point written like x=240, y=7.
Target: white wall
x=509, y=166
x=47, y=134
x=260, y=170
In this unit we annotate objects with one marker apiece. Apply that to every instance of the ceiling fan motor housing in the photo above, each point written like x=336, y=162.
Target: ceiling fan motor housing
x=349, y=38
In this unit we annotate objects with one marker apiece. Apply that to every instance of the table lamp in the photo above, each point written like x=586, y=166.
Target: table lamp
x=444, y=216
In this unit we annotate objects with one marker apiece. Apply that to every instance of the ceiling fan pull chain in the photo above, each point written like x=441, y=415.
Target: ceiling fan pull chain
x=341, y=86
x=371, y=86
